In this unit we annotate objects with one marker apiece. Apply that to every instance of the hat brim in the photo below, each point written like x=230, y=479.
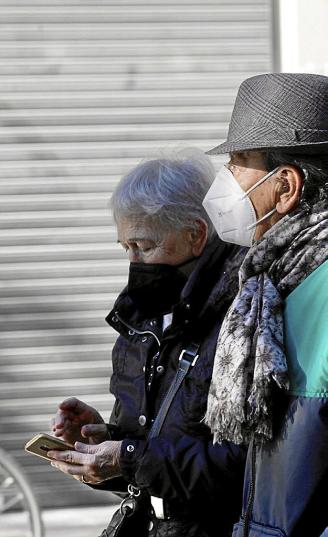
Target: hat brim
x=233, y=147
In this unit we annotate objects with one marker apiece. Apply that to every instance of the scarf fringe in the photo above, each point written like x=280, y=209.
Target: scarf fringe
x=240, y=424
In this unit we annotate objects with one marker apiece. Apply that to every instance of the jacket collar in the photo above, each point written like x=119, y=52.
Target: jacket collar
x=196, y=300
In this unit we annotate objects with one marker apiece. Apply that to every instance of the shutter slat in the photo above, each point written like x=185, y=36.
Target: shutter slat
x=141, y=13
x=128, y=31
x=146, y=64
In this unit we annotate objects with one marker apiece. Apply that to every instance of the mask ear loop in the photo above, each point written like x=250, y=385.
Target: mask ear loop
x=267, y=176
x=273, y=210
x=252, y=226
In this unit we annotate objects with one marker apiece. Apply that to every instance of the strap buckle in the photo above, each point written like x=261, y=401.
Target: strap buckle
x=191, y=353
x=128, y=505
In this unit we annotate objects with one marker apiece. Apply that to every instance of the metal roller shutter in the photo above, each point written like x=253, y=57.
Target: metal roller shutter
x=87, y=89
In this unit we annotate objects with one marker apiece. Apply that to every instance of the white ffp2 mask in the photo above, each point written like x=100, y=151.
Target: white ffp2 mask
x=230, y=209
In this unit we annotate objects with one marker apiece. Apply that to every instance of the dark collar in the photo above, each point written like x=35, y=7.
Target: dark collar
x=195, y=295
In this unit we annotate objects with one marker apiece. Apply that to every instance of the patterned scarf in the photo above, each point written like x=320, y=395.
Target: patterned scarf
x=250, y=352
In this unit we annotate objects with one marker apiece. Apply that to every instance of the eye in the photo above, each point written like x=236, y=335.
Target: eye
x=145, y=246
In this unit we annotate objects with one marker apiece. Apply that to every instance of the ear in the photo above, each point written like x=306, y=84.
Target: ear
x=198, y=237
x=289, y=189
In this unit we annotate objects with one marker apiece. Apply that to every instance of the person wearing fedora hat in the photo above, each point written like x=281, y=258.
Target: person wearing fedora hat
x=270, y=379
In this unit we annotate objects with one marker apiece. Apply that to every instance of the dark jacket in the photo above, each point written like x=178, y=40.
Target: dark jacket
x=201, y=482
x=286, y=479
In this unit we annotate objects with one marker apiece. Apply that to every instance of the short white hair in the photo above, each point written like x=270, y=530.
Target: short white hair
x=166, y=192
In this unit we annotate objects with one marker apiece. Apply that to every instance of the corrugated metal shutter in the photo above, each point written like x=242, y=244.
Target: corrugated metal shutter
x=87, y=89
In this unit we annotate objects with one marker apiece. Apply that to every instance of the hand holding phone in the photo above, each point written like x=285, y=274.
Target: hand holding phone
x=42, y=443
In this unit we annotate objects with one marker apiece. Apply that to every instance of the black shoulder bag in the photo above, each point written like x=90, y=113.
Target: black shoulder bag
x=132, y=517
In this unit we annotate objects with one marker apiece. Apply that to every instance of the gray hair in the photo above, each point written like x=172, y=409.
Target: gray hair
x=166, y=192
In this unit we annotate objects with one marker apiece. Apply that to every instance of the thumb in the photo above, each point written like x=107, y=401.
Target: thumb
x=86, y=448
x=94, y=429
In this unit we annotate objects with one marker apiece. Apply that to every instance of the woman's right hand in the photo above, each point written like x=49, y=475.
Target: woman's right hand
x=75, y=421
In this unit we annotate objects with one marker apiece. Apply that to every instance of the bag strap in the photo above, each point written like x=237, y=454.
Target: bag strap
x=187, y=359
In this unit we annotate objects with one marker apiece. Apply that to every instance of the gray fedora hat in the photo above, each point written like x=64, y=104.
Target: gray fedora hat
x=279, y=110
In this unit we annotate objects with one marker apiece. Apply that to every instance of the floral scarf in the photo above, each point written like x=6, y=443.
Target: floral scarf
x=250, y=353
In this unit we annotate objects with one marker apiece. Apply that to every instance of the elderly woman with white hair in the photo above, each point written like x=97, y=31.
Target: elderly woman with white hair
x=182, y=279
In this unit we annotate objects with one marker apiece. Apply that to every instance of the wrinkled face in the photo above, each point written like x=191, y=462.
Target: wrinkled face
x=248, y=168
x=146, y=245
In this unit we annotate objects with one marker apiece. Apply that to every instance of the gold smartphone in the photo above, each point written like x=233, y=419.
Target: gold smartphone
x=42, y=443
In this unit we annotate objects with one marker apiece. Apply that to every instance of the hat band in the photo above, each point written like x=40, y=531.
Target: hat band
x=258, y=137
x=310, y=135
x=267, y=133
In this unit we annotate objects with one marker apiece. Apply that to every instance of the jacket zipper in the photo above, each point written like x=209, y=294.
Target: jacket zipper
x=135, y=331
x=250, y=502
x=140, y=332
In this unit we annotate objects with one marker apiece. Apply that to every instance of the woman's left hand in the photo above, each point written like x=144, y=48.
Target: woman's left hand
x=89, y=463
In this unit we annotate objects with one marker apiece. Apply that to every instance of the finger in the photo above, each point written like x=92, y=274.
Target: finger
x=80, y=473
x=71, y=457
x=58, y=432
x=74, y=470
x=94, y=430
x=58, y=422
x=90, y=449
x=60, y=429
x=73, y=404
